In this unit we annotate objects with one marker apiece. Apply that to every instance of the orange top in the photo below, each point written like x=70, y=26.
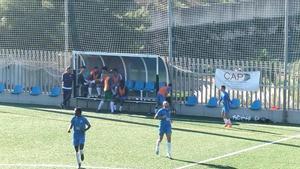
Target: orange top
x=163, y=91
x=106, y=83
x=94, y=74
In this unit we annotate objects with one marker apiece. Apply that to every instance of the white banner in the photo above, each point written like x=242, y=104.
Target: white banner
x=237, y=80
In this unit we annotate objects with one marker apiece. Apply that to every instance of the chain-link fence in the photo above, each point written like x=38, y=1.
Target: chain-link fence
x=231, y=30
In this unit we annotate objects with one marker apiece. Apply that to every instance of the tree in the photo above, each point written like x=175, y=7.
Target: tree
x=32, y=24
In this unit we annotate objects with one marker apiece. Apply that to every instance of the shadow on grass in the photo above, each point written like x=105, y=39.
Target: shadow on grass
x=46, y=109
x=175, y=128
x=200, y=121
x=204, y=164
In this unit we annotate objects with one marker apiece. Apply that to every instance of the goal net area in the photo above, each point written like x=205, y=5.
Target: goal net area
x=135, y=68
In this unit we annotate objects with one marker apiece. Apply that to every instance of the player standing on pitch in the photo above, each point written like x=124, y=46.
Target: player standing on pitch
x=80, y=125
x=165, y=127
x=225, y=110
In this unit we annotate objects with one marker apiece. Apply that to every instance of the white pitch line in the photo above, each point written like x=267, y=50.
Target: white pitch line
x=238, y=152
x=54, y=166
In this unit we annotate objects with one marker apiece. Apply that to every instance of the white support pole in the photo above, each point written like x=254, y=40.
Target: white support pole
x=74, y=58
x=157, y=66
x=124, y=67
x=102, y=60
x=170, y=29
x=66, y=8
x=146, y=69
x=286, y=52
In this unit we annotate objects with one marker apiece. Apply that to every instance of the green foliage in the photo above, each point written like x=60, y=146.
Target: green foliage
x=32, y=24
x=94, y=25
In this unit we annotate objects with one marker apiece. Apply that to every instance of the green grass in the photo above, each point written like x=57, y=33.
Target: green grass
x=37, y=135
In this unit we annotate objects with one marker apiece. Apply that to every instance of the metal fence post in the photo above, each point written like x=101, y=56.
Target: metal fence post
x=286, y=33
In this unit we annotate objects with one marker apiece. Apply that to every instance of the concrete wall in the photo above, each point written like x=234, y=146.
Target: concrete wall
x=202, y=110
x=224, y=12
x=25, y=98
x=198, y=110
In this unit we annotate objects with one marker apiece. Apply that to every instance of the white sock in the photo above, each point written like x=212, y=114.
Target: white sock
x=225, y=121
x=80, y=152
x=112, y=106
x=98, y=91
x=100, y=104
x=229, y=121
x=78, y=158
x=90, y=91
x=115, y=107
x=169, y=148
x=120, y=108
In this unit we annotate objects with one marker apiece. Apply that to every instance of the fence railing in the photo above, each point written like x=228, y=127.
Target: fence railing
x=194, y=76
x=32, y=68
x=191, y=76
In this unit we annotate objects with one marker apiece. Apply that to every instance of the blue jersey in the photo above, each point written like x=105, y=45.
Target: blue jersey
x=165, y=122
x=79, y=125
x=225, y=100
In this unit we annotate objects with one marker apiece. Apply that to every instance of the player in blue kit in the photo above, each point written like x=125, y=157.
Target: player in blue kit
x=80, y=125
x=165, y=127
x=225, y=99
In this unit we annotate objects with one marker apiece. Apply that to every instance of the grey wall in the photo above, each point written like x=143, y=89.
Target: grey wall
x=225, y=12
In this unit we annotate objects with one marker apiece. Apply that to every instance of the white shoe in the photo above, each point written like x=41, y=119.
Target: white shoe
x=169, y=156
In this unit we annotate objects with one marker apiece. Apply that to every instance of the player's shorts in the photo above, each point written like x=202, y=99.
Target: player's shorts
x=78, y=140
x=107, y=95
x=225, y=110
x=165, y=130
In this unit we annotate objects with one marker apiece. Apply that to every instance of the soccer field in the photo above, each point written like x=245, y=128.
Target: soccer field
x=36, y=137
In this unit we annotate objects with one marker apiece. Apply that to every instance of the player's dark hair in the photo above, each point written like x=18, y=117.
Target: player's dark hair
x=170, y=84
x=223, y=87
x=78, y=111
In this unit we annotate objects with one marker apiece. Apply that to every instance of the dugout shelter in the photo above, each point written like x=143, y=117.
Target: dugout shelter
x=142, y=68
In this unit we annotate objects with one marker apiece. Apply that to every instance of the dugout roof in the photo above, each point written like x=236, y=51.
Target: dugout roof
x=143, y=67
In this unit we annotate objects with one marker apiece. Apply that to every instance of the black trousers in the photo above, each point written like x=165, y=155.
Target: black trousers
x=66, y=96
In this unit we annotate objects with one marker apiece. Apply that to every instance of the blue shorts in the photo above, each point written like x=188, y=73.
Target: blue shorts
x=78, y=140
x=165, y=130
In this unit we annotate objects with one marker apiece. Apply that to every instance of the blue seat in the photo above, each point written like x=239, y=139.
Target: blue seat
x=55, y=91
x=129, y=84
x=256, y=105
x=235, y=103
x=2, y=87
x=139, y=85
x=149, y=87
x=213, y=102
x=191, y=101
x=35, y=91
x=18, y=89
